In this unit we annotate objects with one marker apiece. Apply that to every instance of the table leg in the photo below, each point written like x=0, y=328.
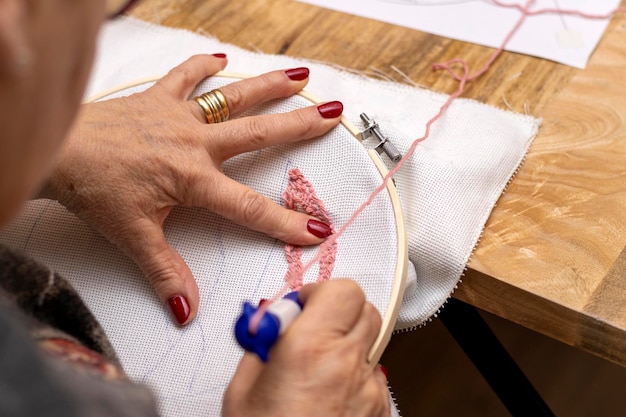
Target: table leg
x=492, y=360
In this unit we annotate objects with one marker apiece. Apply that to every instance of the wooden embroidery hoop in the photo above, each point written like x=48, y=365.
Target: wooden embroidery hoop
x=398, y=283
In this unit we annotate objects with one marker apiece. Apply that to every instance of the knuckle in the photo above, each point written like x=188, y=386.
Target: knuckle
x=371, y=312
x=349, y=288
x=301, y=351
x=377, y=397
x=183, y=72
x=257, y=131
x=372, y=315
x=199, y=59
x=307, y=127
x=268, y=83
x=163, y=277
x=306, y=351
x=234, y=97
x=253, y=206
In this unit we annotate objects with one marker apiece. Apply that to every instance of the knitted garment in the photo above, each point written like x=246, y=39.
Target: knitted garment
x=55, y=359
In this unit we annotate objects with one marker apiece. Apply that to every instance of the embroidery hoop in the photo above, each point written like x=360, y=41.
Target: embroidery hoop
x=399, y=280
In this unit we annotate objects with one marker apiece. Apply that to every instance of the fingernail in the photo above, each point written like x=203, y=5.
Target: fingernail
x=318, y=228
x=219, y=55
x=384, y=369
x=297, y=74
x=179, y=308
x=331, y=109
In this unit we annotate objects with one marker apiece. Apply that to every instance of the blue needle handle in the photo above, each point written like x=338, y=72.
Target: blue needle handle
x=276, y=319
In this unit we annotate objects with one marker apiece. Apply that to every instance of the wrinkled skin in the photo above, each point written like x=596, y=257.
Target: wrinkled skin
x=127, y=162
x=319, y=366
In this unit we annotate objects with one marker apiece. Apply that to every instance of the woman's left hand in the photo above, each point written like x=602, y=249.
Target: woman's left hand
x=129, y=161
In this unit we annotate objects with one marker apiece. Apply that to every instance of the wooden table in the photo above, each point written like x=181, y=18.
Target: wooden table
x=553, y=255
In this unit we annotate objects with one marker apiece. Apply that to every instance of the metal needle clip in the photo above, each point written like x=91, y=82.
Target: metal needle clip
x=384, y=145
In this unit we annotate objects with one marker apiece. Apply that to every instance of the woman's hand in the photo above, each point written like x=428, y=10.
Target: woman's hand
x=319, y=365
x=129, y=161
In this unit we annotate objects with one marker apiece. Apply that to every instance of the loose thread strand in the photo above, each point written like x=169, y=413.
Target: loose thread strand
x=462, y=79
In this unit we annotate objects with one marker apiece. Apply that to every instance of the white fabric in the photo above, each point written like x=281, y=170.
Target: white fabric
x=448, y=189
x=189, y=368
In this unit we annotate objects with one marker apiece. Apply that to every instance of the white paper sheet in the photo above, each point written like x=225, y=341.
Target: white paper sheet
x=569, y=40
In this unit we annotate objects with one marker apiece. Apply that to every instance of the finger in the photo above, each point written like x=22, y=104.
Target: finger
x=366, y=328
x=384, y=408
x=258, y=132
x=165, y=269
x=248, y=208
x=381, y=375
x=245, y=94
x=248, y=371
x=373, y=397
x=242, y=383
x=383, y=383
x=184, y=78
x=332, y=307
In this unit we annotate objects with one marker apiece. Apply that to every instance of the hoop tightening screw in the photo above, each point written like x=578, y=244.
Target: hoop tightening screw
x=384, y=145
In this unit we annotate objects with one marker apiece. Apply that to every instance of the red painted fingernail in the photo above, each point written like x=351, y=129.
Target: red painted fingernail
x=318, y=228
x=384, y=369
x=179, y=308
x=219, y=55
x=297, y=74
x=331, y=109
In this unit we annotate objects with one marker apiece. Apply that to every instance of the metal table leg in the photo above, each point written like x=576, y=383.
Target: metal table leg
x=492, y=360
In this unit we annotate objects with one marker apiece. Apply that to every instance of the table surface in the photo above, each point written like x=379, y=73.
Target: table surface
x=553, y=254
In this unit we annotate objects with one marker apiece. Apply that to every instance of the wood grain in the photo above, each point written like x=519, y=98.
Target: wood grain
x=364, y=45
x=550, y=254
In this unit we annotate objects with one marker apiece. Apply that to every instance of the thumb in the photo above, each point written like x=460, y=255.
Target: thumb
x=248, y=371
x=165, y=269
x=242, y=385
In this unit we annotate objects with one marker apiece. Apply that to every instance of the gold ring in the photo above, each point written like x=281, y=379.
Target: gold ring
x=214, y=106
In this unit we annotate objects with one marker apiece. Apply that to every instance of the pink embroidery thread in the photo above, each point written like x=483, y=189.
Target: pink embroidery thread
x=525, y=11
x=300, y=195
x=462, y=79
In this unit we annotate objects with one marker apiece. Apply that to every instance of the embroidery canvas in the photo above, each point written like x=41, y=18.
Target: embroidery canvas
x=448, y=188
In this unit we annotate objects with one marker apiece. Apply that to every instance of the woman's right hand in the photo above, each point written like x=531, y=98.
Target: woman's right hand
x=319, y=365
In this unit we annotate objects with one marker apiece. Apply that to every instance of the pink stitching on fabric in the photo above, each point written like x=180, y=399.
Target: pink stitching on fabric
x=301, y=196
